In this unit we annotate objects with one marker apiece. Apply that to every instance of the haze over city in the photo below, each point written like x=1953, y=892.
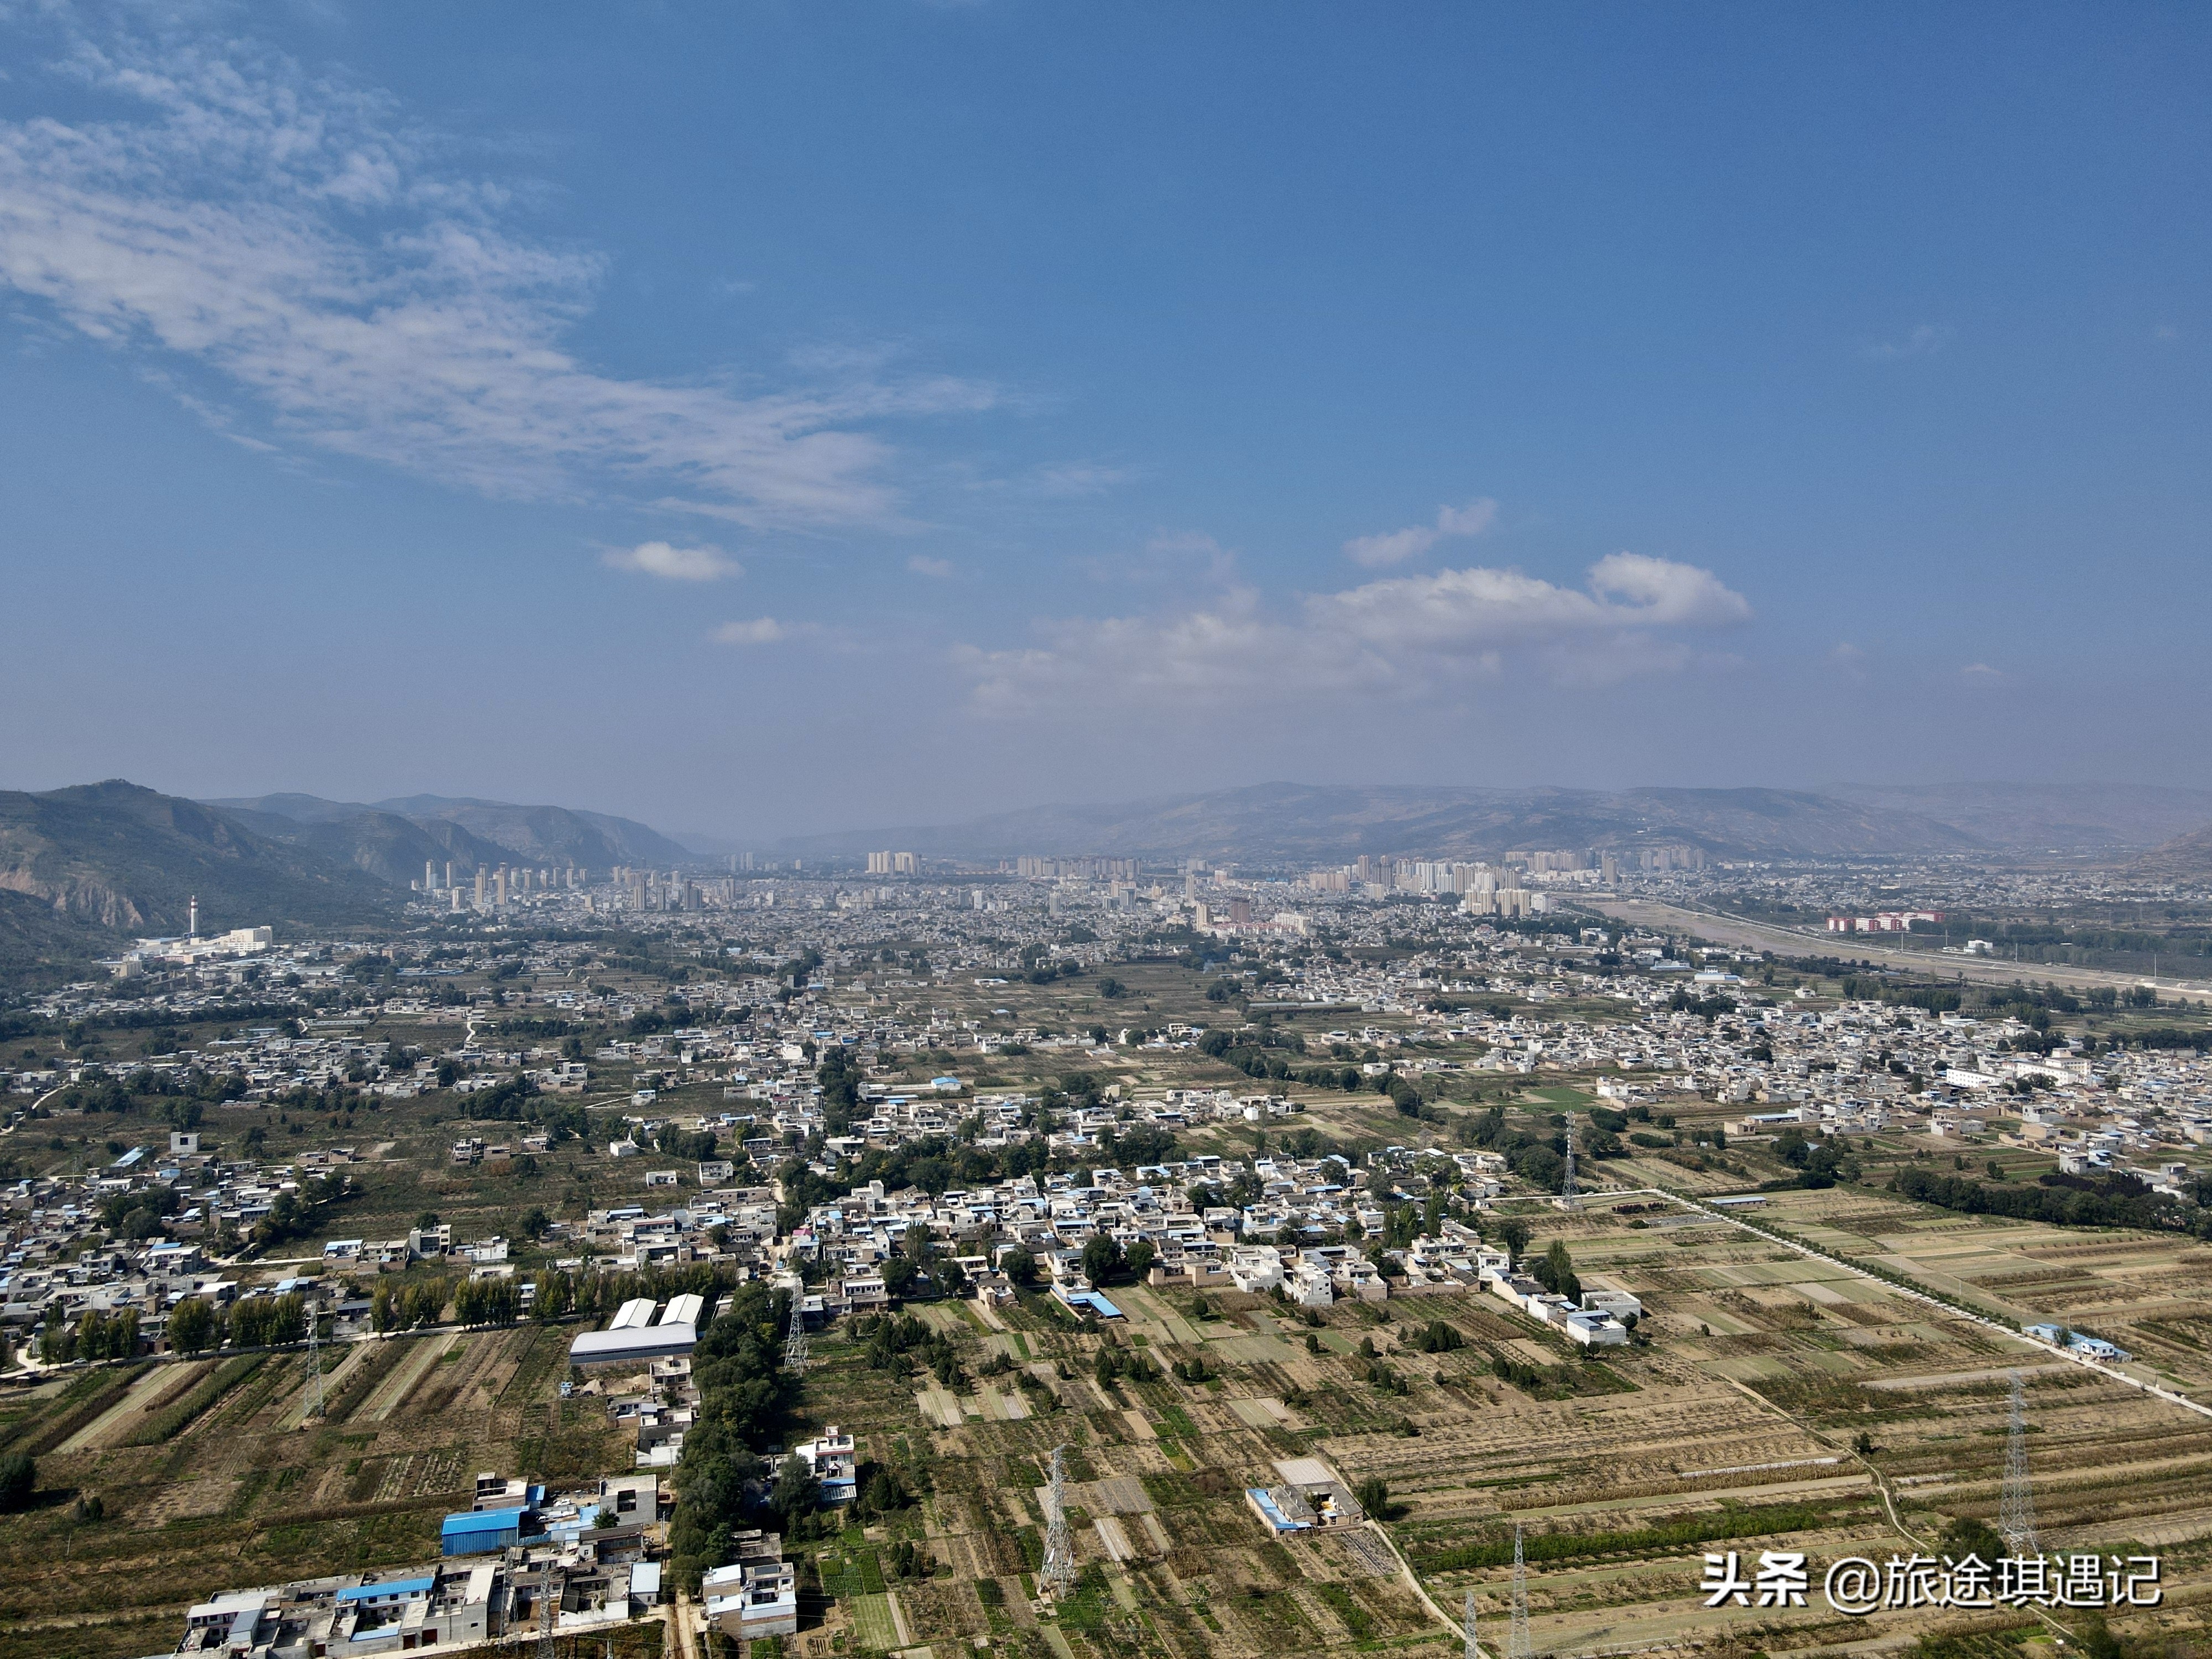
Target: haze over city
x=762, y=420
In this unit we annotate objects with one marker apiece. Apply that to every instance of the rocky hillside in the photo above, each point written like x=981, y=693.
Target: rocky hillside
x=84, y=869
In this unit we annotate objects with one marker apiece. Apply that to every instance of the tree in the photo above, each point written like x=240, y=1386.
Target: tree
x=798, y=1493
x=1970, y=1536
x=1020, y=1267
x=1140, y=1256
x=1556, y=1271
x=1374, y=1496
x=18, y=1480
x=884, y=1494
x=192, y=1325
x=1101, y=1258
x=1515, y=1233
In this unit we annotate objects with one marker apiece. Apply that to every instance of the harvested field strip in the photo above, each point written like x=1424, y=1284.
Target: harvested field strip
x=360, y=1382
x=340, y=1367
x=462, y=1362
x=101, y=1389
x=154, y=1385
x=392, y=1392
x=270, y=1380
x=172, y=1420
x=543, y=1353
x=1691, y=1530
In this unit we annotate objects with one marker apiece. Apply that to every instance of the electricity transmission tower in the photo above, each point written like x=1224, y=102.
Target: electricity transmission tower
x=1059, y=1541
x=1521, y=1646
x=549, y=1606
x=2016, y=1510
x=1567, y=1188
x=314, y=1367
x=794, y=1343
x=1473, y=1651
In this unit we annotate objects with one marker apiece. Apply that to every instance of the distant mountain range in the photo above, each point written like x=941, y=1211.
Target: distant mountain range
x=2185, y=858
x=376, y=835
x=2039, y=818
x=84, y=870
x=1290, y=823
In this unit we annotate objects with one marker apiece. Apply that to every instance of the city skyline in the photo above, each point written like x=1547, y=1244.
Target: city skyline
x=764, y=424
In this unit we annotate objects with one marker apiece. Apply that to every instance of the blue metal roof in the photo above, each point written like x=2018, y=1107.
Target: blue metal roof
x=399, y=1587
x=482, y=1520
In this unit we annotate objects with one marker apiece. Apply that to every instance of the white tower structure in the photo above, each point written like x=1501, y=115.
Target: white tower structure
x=1468, y=1629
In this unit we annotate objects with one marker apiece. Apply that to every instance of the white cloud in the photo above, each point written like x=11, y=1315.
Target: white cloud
x=1924, y=341
x=922, y=565
x=1405, y=637
x=297, y=242
x=1396, y=546
x=760, y=630
x=682, y=564
x=1980, y=673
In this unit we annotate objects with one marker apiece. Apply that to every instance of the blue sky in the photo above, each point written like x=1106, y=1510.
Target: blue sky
x=762, y=418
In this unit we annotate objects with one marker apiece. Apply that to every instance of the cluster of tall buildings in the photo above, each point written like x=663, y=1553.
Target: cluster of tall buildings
x=894, y=864
x=1088, y=869
x=1375, y=874
x=494, y=887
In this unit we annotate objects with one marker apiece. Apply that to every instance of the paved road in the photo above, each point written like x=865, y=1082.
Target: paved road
x=1721, y=929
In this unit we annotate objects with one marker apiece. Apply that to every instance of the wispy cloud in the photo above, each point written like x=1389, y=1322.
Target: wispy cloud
x=299, y=242
x=759, y=630
x=1980, y=673
x=1403, y=637
x=1396, y=546
x=1924, y=341
x=922, y=565
x=681, y=564
x=1078, y=479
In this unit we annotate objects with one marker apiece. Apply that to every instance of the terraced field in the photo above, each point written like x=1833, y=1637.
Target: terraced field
x=1777, y=1403
x=240, y=1494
